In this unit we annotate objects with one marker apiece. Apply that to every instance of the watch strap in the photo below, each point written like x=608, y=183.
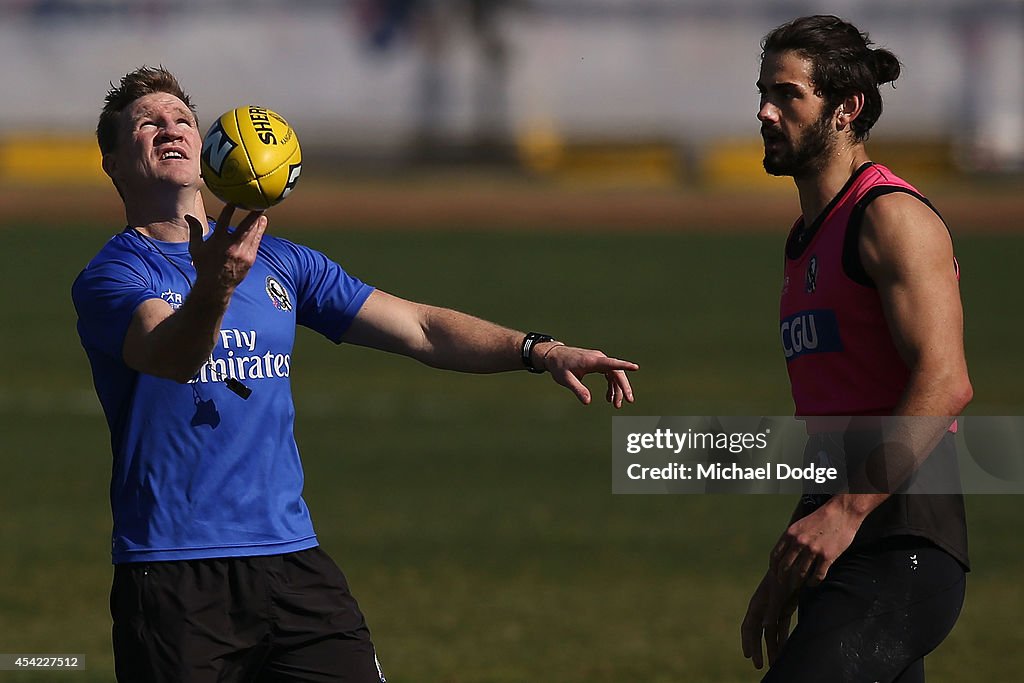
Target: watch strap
x=526, y=349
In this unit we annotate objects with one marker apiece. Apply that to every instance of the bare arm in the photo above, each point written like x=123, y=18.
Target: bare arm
x=447, y=339
x=174, y=344
x=921, y=296
x=907, y=251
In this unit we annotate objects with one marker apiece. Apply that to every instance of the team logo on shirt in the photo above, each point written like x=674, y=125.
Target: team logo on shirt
x=173, y=298
x=811, y=281
x=806, y=332
x=278, y=295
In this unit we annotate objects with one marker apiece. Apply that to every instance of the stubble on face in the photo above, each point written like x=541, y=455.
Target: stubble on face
x=796, y=123
x=801, y=157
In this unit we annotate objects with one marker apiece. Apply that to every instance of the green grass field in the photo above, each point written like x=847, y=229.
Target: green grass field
x=473, y=515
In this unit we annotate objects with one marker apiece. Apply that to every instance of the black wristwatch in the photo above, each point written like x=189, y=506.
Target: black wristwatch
x=529, y=341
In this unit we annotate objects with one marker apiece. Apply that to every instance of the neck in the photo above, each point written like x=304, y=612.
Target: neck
x=819, y=188
x=164, y=218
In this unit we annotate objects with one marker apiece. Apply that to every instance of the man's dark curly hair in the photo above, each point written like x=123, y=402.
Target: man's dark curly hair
x=843, y=62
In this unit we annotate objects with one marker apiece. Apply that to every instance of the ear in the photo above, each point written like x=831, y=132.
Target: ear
x=849, y=108
x=109, y=163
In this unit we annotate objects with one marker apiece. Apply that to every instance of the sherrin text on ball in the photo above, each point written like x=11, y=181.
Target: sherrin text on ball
x=251, y=158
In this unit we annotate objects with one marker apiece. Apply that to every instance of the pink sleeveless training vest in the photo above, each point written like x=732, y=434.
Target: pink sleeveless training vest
x=839, y=352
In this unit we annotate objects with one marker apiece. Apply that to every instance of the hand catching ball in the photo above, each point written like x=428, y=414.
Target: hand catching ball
x=251, y=158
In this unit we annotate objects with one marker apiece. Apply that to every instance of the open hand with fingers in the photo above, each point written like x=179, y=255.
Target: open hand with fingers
x=801, y=557
x=225, y=257
x=769, y=615
x=569, y=364
x=810, y=545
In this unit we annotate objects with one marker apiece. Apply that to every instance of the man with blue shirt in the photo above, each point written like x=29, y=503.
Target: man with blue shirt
x=188, y=325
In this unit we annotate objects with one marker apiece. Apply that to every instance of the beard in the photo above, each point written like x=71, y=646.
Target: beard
x=803, y=157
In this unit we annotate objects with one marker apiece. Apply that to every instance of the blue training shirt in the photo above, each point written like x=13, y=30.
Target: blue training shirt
x=198, y=472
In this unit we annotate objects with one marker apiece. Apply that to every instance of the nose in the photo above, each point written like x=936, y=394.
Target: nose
x=768, y=113
x=169, y=133
x=168, y=129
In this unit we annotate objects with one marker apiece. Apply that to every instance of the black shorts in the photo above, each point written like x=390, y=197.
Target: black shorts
x=879, y=611
x=267, y=619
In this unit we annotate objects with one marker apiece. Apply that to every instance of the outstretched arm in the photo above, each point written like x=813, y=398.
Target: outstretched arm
x=450, y=340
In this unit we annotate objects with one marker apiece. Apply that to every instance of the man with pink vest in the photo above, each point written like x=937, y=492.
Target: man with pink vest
x=871, y=325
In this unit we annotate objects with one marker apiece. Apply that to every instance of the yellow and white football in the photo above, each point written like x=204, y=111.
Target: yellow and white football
x=251, y=158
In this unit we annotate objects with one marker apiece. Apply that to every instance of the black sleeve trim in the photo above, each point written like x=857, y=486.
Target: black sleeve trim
x=852, y=265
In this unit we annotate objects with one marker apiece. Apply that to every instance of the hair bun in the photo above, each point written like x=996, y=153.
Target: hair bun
x=886, y=66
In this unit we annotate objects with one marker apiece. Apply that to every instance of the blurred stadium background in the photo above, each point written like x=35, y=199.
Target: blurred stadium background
x=588, y=167
x=663, y=88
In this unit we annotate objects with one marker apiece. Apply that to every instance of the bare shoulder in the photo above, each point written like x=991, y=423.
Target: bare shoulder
x=900, y=231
